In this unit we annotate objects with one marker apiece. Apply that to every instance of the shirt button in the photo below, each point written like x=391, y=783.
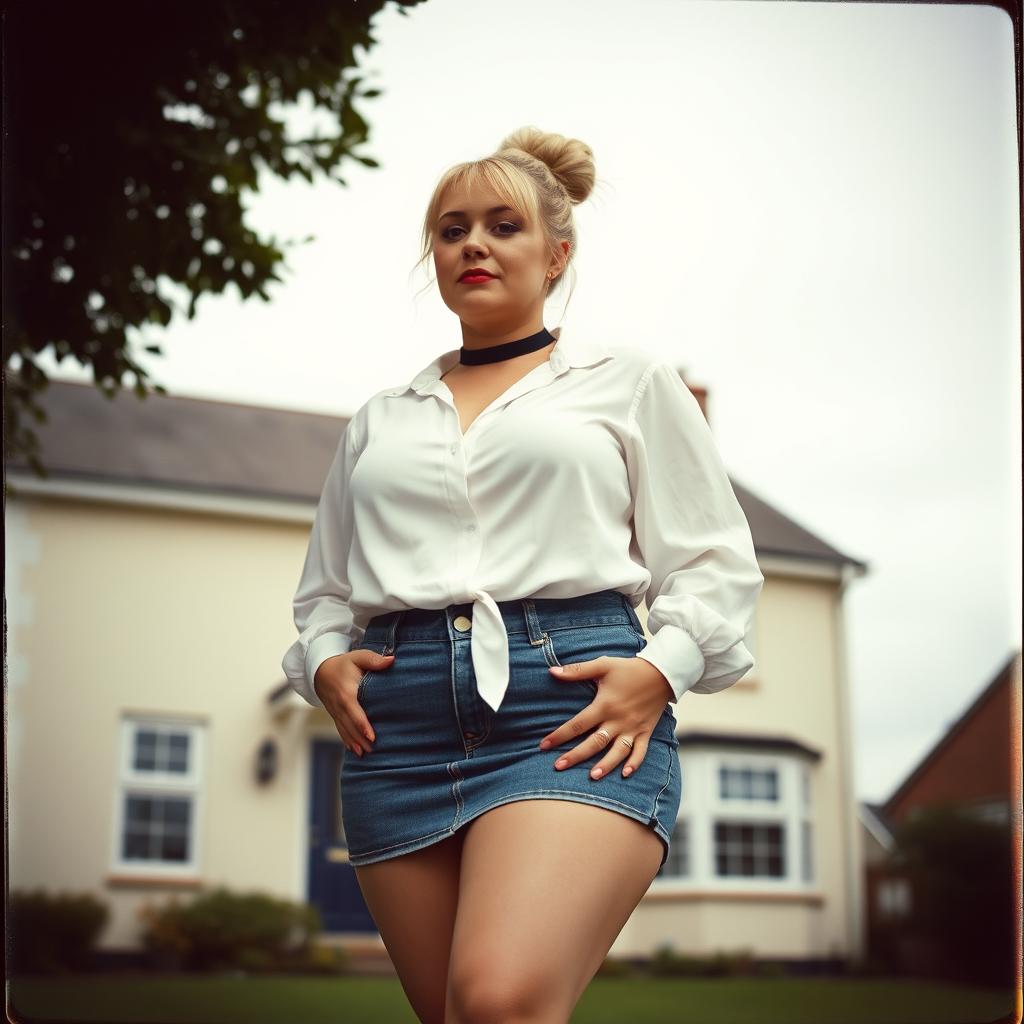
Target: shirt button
x=461, y=622
x=452, y=449
x=471, y=528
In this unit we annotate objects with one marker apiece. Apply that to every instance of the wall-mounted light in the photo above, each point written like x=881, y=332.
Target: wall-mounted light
x=266, y=760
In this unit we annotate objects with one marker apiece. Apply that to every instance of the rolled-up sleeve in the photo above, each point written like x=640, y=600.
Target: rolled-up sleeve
x=693, y=537
x=320, y=605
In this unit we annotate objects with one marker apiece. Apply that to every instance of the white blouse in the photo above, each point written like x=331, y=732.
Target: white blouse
x=595, y=470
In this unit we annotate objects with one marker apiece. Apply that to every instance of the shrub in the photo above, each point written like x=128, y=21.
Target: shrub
x=666, y=961
x=727, y=965
x=220, y=929
x=53, y=933
x=768, y=969
x=321, y=958
x=614, y=968
x=961, y=925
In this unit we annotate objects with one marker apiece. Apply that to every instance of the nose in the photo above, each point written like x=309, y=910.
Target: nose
x=472, y=244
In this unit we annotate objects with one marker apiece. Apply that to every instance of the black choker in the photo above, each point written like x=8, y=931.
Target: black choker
x=506, y=350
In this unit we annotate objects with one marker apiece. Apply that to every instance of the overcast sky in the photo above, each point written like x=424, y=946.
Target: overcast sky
x=810, y=207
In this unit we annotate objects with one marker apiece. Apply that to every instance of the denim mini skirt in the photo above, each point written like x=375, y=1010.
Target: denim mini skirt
x=442, y=756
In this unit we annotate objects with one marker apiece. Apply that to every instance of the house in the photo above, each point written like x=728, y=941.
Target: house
x=155, y=748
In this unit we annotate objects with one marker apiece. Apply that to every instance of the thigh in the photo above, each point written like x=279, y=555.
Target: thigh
x=546, y=886
x=412, y=899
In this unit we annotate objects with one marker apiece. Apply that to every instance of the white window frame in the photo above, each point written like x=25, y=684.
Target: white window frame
x=682, y=819
x=131, y=782
x=703, y=807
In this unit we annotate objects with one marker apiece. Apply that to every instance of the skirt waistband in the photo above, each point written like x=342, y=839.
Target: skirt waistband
x=531, y=615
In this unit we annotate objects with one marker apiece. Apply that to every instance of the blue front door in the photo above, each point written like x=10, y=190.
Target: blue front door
x=333, y=888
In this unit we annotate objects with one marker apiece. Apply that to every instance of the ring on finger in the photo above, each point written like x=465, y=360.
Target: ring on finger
x=624, y=739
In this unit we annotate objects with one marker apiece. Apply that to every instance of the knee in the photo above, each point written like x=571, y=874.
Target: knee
x=490, y=994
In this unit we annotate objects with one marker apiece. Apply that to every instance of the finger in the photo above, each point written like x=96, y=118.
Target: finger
x=639, y=753
x=593, y=744
x=334, y=704
x=579, y=669
x=347, y=735
x=618, y=751
x=360, y=723
x=574, y=727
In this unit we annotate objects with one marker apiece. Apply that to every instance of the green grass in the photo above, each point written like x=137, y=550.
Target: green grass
x=162, y=999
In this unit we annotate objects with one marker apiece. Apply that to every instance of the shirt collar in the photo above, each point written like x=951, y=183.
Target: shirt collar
x=568, y=351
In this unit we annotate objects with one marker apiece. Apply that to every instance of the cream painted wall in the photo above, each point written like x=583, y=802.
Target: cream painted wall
x=125, y=609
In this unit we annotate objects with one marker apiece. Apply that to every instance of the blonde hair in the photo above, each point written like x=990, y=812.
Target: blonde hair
x=541, y=175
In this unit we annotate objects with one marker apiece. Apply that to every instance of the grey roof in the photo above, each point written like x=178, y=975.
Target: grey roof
x=191, y=444
x=749, y=741
x=229, y=448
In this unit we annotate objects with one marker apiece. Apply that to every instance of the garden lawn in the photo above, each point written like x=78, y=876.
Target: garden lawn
x=220, y=999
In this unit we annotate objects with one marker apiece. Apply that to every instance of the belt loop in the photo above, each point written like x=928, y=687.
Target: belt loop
x=634, y=619
x=533, y=629
x=392, y=631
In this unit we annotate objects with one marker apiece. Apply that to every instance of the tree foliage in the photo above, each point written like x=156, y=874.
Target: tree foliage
x=132, y=132
x=962, y=879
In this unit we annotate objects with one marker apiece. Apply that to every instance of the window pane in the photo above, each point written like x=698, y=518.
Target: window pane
x=161, y=750
x=177, y=752
x=157, y=829
x=677, y=864
x=748, y=783
x=145, y=750
x=749, y=850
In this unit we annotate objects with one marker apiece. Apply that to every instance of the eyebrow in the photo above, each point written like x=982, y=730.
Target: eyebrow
x=462, y=213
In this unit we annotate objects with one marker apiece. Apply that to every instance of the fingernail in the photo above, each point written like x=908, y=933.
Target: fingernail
x=596, y=773
x=359, y=751
x=628, y=770
x=561, y=762
x=544, y=744
x=368, y=735
x=556, y=668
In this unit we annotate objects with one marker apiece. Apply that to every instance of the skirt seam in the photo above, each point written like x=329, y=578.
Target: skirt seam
x=673, y=757
x=353, y=858
x=576, y=795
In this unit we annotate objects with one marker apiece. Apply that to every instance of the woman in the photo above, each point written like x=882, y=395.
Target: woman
x=466, y=613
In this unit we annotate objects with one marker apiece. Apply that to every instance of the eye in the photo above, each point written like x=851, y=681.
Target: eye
x=446, y=233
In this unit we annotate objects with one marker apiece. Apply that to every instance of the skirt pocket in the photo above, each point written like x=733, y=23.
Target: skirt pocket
x=378, y=647
x=585, y=643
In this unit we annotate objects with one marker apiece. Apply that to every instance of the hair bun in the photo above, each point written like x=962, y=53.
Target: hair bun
x=571, y=161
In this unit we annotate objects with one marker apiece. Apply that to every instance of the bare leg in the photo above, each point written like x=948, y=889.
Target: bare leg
x=546, y=886
x=412, y=899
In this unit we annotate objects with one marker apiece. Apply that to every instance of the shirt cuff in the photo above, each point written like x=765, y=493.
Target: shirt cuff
x=325, y=646
x=674, y=653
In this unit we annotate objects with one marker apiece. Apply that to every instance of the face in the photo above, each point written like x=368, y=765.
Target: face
x=473, y=232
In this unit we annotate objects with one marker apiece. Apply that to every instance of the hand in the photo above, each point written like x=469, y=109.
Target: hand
x=336, y=684
x=631, y=698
